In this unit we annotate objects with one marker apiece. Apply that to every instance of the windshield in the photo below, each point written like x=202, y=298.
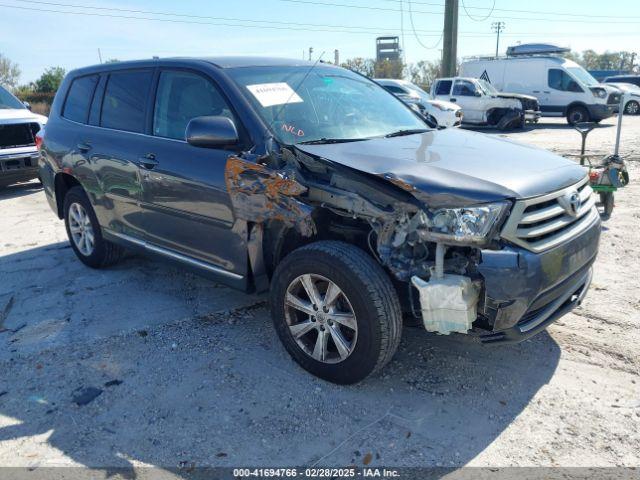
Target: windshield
x=314, y=104
x=583, y=76
x=9, y=101
x=487, y=87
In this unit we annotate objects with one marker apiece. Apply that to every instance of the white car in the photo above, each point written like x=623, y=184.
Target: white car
x=444, y=114
x=562, y=87
x=631, y=104
x=18, y=129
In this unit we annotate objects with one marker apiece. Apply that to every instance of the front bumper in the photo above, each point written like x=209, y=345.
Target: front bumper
x=532, y=115
x=601, y=111
x=18, y=167
x=526, y=291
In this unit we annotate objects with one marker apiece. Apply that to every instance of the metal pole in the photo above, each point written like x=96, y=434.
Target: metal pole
x=498, y=27
x=620, y=114
x=450, y=39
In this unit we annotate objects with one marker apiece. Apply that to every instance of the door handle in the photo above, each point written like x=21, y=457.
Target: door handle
x=546, y=91
x=536, y=91
x=83, y=147
x=148, y=161
x=452, y=99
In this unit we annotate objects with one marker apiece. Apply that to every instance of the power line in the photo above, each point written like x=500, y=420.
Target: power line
x=542, y=12
x=479, y=19
x=415, y=34
x=597, y=19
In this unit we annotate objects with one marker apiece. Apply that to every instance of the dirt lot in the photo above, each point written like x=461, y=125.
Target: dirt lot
x=190, y=372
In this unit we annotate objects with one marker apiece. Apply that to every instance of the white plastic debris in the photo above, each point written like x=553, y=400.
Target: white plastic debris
x=448, y=304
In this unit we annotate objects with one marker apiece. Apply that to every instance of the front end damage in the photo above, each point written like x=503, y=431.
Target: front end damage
x=490, y=289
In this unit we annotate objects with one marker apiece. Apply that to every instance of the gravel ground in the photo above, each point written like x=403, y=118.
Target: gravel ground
x=187, y=372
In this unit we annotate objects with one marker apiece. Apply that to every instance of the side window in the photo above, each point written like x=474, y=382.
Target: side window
x=560, y=80
x=394, y=89
x=443, y=87
x=464, y=88
x=182, y=96
x=125, y=99
x=79, y=98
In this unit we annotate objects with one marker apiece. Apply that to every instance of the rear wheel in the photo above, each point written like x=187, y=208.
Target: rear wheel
x=335, y=311
x=632, y=108
x=577, y=114
x=84, y=232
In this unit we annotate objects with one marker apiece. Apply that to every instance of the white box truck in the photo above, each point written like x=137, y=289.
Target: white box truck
x=563, y=88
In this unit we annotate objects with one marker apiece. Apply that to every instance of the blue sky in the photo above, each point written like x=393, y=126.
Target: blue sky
x=35, y=37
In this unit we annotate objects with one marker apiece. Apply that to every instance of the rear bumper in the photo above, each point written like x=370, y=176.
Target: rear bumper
x=18, y=167
x=526, y=291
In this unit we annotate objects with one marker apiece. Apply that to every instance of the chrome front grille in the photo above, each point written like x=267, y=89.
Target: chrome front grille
x=540, y=223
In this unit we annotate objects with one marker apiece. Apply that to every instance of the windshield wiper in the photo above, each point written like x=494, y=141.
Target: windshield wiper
x=402, y=133
x=326, y=141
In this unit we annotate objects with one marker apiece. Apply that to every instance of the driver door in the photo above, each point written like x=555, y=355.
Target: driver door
x=187, y=208
x=466, y=94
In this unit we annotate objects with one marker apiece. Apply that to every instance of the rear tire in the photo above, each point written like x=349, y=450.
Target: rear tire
x=84, y=232
x=578, y=114
x=632, y=108
x=365, y=290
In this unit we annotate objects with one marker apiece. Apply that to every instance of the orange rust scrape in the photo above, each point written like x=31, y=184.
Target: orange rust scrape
x=259, y=194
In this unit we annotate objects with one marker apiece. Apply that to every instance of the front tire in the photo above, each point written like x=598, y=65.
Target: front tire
x=577, y=114
x=84, y=232
x=335, y=311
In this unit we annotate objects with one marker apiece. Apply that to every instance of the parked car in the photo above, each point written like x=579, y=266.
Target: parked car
x=634, y=79
x=562, y=87
x=444, y=114
x=631, y=105
x=314, y=183
x=18, y=128
x=482, y=104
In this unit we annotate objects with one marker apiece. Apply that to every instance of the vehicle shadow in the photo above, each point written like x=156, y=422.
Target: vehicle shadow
x=212, y=386
x=19, y=190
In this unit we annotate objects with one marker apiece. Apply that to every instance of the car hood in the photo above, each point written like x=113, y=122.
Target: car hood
x=453, y=167
x=516, y=95
x=18, y=115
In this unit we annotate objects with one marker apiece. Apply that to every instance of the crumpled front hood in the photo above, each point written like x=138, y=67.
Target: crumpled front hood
x=453, y=167
x=517, y=95
x=20, y=115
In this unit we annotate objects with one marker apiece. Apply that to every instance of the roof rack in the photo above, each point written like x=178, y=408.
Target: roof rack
x=525, y=50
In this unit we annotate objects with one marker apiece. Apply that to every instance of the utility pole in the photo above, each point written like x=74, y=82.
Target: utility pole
x=100, y=55
x=497, y=27
x=450, y=39
x=336, y=57
x=310, y=52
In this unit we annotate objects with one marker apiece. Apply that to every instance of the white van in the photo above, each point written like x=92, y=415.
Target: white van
x=563, y=88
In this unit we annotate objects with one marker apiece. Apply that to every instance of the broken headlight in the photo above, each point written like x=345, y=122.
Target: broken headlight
x=467, y=225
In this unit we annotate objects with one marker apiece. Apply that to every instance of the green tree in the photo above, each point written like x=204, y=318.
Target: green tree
x=50, y=80
x=9, y=72
x=364, y=66
x=424, y=73
x=389, y=69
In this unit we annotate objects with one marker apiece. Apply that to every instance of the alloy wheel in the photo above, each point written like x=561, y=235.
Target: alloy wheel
x=81, y=230
x=320, y=318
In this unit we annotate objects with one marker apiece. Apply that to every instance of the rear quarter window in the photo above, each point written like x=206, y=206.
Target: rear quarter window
x=76, y=107
x=125, y=100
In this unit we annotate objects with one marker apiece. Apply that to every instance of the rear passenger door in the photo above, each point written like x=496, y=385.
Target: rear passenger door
x=442, y=90
x=187, y=207
x=119, y=112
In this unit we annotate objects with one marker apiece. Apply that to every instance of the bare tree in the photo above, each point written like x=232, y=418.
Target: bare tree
x=9, y=72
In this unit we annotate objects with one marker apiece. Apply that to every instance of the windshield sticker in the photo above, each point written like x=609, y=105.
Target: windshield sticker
x=292, y=130
x=270, y=94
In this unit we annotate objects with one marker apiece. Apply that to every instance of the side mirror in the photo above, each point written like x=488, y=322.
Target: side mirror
x=211, y=132
x=477, y=94
x=27, y=104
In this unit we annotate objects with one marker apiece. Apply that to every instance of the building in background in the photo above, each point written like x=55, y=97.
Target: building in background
x=388, y=48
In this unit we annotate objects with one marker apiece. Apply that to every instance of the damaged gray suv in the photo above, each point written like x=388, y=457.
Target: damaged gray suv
x=316, y=184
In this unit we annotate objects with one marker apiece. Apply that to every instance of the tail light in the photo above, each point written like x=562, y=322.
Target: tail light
x=39, y=139
x=594, y=175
